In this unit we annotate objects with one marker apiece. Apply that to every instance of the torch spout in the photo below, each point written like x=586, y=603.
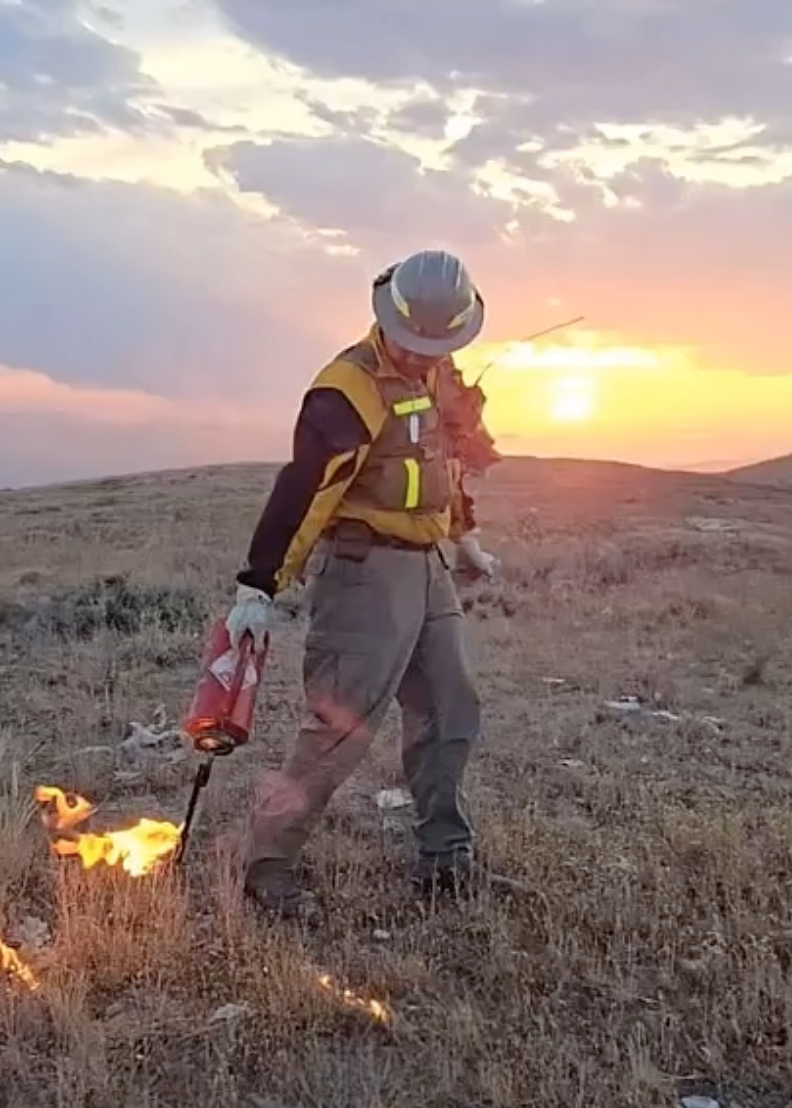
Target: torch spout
x=200, y=782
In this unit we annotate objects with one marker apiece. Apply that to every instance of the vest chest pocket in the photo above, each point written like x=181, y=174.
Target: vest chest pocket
x=424, y=477
x=410, y=412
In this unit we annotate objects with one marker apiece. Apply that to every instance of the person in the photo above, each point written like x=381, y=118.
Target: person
x=371, y=492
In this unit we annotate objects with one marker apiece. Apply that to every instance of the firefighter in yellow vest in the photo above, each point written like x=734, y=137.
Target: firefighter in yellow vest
x=372, y=489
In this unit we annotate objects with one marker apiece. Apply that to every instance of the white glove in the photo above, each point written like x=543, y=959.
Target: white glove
x=485, y=563
x=252, y=612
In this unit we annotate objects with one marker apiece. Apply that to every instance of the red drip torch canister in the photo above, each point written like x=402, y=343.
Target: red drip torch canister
x=220, y=716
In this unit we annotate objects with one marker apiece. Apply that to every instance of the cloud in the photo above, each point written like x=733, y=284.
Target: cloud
x=573, y=77
x=426, y=116
x=61, y=77
x=192, y=120
x=616, y=156
x=579, y=59
x=698, y=265
x=93, y=430
x=371, y=191
x=142, y=287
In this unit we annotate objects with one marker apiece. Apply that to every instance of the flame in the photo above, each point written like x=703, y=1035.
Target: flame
x=69, y=810
x=137, y=850
x=374, y=1008
x=13, y=964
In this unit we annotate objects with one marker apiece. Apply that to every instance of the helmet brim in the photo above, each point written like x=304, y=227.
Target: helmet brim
x=394, y=327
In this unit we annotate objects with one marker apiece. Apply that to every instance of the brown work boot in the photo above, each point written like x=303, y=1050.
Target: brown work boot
x=459, y=876
x=442, y=874
x=281, y=896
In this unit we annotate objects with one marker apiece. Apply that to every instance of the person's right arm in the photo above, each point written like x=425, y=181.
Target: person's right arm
x=330, y=444
x=341, y=414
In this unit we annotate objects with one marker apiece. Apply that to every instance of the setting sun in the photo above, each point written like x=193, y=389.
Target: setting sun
x=572, y=399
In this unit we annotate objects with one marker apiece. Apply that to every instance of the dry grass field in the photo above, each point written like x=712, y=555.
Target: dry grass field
x=649, y=955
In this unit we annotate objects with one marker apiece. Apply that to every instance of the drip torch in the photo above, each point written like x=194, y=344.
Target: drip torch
x=220, y=716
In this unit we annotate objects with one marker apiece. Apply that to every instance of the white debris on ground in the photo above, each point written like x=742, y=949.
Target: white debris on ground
x=698, y=1102
x=396, y=809
x=713, y=525
x=629, y=706
x=150, y=747
x=229, y=1013
x=390, y=799
x=160, y=739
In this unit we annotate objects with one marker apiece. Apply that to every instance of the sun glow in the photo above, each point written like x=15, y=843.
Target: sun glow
x=571, y=399
x=595, y=396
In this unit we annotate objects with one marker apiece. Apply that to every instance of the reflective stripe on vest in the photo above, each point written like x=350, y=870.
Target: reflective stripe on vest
x=410, y=407
x=413, y=494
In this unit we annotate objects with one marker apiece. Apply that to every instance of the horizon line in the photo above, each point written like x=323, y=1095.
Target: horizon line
x=713, y=468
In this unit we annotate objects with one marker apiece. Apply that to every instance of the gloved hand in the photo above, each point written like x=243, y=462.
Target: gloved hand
x=252, y=612
x=479, y=559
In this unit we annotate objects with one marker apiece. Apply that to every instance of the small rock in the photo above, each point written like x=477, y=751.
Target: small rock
x=632, y=706
x=34, y=932
x=712, y=524
x=665, y=717
x=129, y=777
x=229, y=1013
x=625, y=704
x=393, y=799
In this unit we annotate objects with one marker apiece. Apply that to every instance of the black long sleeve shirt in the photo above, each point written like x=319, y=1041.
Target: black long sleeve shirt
x=327, y=426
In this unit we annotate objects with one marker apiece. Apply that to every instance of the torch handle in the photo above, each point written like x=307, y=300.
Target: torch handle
x=241, y=668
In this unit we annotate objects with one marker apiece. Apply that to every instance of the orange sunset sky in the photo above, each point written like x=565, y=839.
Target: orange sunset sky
x=195, y=196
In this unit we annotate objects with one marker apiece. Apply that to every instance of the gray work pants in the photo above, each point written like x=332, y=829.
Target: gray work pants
x=388, y=625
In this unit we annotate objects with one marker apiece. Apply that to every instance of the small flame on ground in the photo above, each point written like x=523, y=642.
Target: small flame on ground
x=137, y=850
x=375, y=1008
x=69, y=809
x=13, y=964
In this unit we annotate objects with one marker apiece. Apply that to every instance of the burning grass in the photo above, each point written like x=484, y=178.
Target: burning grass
x=138, y=849
x=650, y=953
x=12, y=964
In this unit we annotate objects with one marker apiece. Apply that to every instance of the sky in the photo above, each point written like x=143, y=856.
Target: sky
x=195, y=196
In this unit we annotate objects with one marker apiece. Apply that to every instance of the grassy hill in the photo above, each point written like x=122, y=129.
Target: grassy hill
x=648, y=952
x=774, y=471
